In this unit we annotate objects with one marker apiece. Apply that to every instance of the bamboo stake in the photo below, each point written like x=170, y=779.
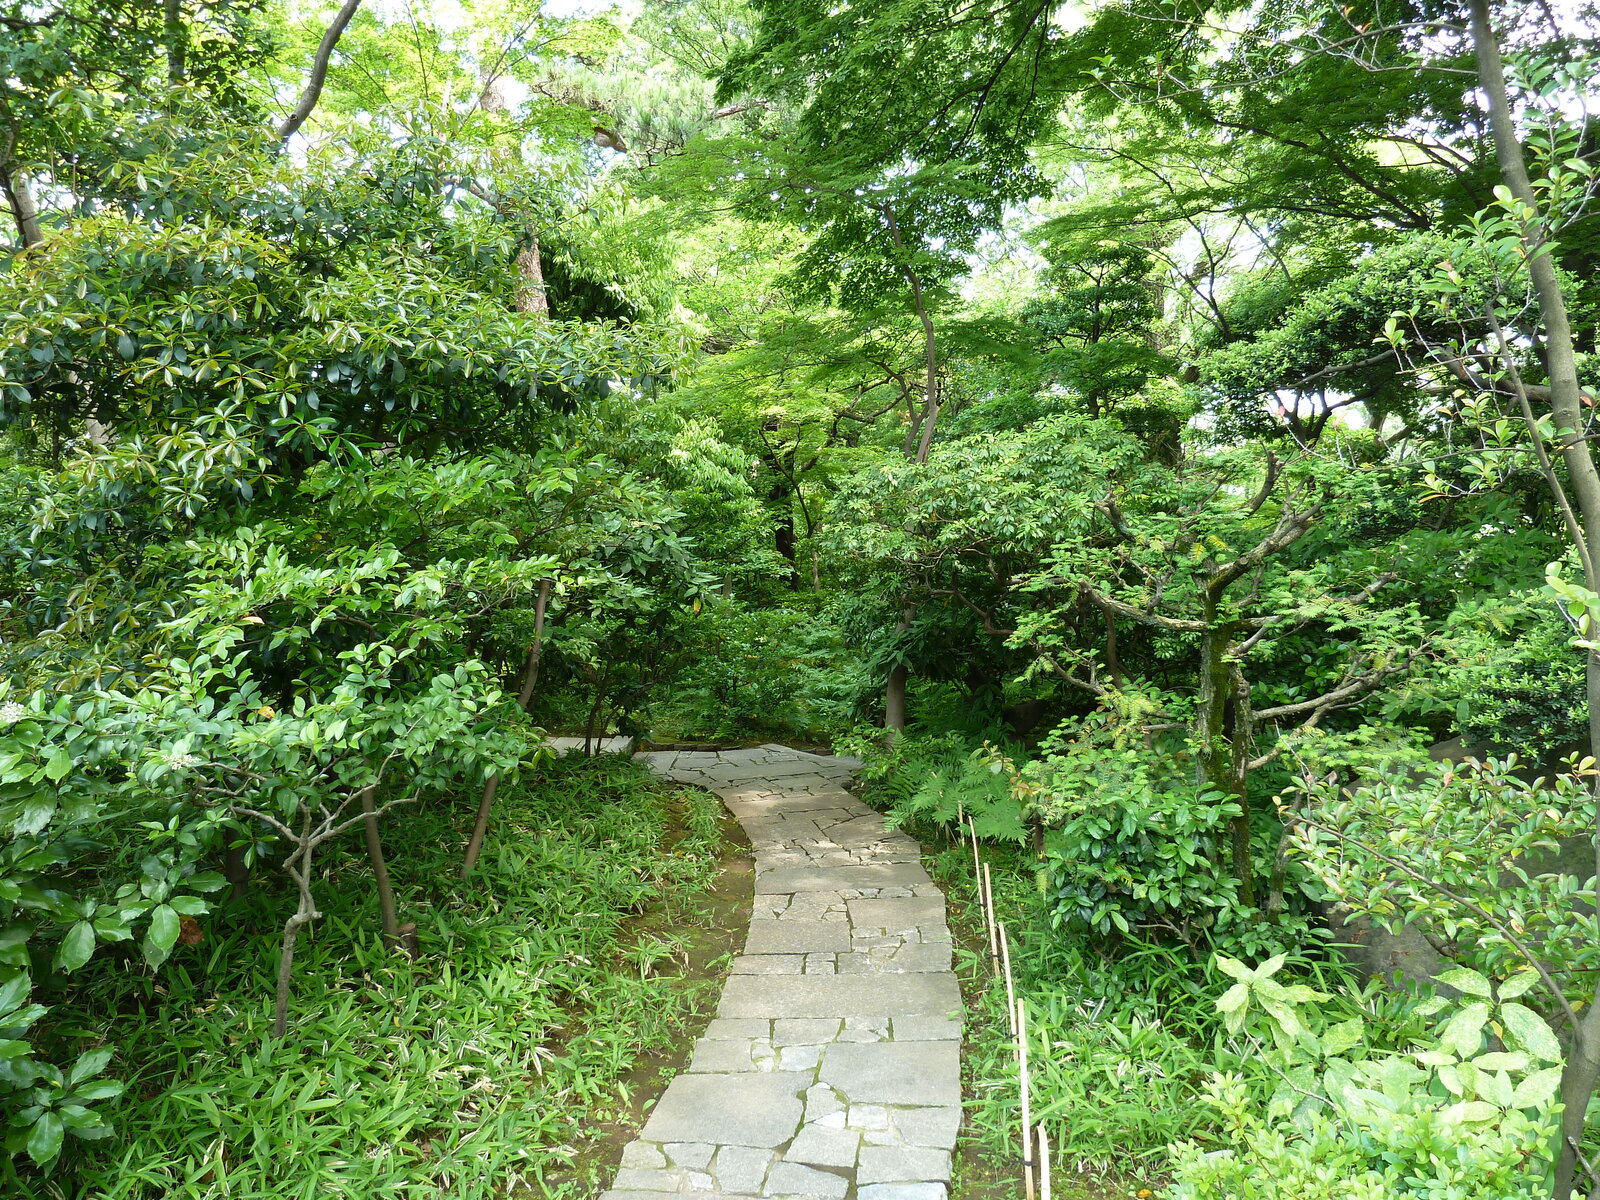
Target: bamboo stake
x=989, y=920
x=1044, y=1163
x=977, y=868
x=1011, y=991
x=1027, y=1107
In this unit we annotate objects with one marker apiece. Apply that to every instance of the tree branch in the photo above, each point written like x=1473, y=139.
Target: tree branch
x=319, y=71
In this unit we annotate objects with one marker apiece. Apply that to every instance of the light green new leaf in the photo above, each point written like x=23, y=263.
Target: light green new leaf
x=1465, y=980
x=1519, y=985
x=1538, y=1089
x=1234, y=998
x=1470, y=1112
x=1346, y=1035
x=1235, y=968
x=1528, y=1030
x=1464, y=1031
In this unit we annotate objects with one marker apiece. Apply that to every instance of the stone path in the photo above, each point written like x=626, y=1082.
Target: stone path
x=832, y=1069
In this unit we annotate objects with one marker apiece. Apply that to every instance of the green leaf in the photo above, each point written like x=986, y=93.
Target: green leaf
x=1234, y=998
x=59, y=766
x=1538, y=1089
x=163, y=934
x=1518, y=985
x=1346, y=1035
x=44, y=1143
x=89, y=1065
x=13, y=993
x=1495, y=1087
x=1471, y=1112
x=1467, y=981
x=37, y=812
x=1464, y=1031
x=76, y=948
x=1529, y=1031
x=1232, y=966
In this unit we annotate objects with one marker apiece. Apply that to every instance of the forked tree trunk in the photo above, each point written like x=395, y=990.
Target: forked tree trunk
x=299, y=867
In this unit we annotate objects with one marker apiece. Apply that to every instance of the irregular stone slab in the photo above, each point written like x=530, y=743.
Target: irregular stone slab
x=805, y=1032
x=840, y=996
x=742, y=1168
x=755, y=1109
x=921, y=1029
x=894, y=1072
x=919, y=957
x=929, y=1126
x=836, y=879
x=795, y=937
x=901, y=1164
x=769, y=964
x=898, y=915
x=792, y=1179
x=825, y=1147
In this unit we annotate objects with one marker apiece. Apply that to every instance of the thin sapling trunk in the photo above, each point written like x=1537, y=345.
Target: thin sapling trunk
x=530, y=680
x=380, y=871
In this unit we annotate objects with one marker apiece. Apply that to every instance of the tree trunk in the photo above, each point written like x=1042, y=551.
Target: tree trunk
x=298, y=865
x=19, y=194
x=1240, y=751
x=894, y=691
x=1582, y=1068
x=1221, y=763
x=291, y=933
x=235, y=870
x=530, y=679
x=531, y=296
x=894, y=701
x=176, y=41
x=380, y=871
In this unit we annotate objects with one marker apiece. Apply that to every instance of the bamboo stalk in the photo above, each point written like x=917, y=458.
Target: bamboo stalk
x=989, y=920
x=1044, y=1163
x=1011, y=990
x=1027, y=1107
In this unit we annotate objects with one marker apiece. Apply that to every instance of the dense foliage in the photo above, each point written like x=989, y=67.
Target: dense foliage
x=1156, y=436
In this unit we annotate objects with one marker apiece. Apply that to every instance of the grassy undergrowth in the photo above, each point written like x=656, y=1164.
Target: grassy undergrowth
x=1123, y=1038
x=467, y=1073
x=1116, y=1061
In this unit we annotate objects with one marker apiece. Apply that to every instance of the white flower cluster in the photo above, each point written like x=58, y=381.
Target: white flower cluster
x=11, y=712
x=180, y=761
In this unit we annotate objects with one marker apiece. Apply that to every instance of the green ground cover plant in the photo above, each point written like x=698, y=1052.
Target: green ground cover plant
x=470, y=1070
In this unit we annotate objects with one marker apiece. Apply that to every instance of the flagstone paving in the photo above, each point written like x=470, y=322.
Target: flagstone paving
x=832, y=1069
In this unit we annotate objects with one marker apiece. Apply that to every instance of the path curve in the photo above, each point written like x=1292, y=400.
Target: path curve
x=832, y=1069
